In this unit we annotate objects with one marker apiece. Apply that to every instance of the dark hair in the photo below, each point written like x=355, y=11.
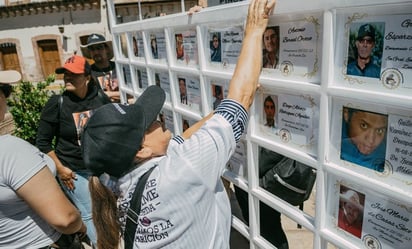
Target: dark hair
x=274, y=28
x=218, y=89
x=269, y=98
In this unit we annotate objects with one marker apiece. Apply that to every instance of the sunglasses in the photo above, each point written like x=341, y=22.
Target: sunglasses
x=96, y=47
x=368, y=41
x=6, y=89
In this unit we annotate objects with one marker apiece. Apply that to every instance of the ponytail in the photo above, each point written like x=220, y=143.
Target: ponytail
x=105, y=216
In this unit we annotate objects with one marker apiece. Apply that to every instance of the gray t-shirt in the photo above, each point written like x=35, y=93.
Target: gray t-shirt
x=20, y=226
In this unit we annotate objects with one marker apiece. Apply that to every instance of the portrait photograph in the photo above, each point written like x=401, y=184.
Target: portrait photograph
x=215, y=45
x=166, y=117
x=80, y=120
x=187, y=123
x=162, y=80
x=217, y=94
x=153, y=46
x=270, y=56
x=108, y=82
x=189, y=92
x=351, y=207
x=269, y=111
x=182, y=90
x=138, y=47
x=142, y=79
x=363, y=138
x=180, y=53
x=365, y=49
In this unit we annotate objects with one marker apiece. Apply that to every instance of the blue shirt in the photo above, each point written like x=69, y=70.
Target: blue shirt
x=370, y=70
x=350, y=153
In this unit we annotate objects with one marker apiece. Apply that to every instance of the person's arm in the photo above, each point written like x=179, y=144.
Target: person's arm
x=44, y=196
x=245, y=78
x=192, y=129
x=244, y=82
x=48, y=124
x=113, y=95
x=65, y=174
x=47, y=131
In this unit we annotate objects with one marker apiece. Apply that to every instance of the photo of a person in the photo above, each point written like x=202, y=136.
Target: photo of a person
x=185, y=124
x=162, y=120
x=365, y=61
x=215, y=48
x=350, y=214
x=153, y=44
x=270, y=110
x=157, y=79
x=135, y=47
x=271, y=47
x=139, y=79
x=364, y=138
x=183, y=91
x=80, y=120
x=109, y=84
x=180, y=53
x=218, y=94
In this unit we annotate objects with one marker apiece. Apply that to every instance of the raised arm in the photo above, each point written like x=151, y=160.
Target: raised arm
x=244, y=82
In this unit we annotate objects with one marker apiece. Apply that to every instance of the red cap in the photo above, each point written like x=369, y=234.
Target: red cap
x=75, y=64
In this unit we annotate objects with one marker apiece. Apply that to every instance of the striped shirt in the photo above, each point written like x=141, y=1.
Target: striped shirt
x=184, y=204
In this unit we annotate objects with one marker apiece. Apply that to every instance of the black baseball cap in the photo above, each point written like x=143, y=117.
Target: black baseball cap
x=366, y=30
x=114, y=133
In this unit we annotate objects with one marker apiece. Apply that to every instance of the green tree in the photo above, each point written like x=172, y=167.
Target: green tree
x=26, y=104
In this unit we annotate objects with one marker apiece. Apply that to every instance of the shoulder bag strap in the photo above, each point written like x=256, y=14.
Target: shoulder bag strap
x=134, y=210
x=60, y=106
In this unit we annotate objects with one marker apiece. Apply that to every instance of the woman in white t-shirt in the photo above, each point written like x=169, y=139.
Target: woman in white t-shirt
x=34, y=212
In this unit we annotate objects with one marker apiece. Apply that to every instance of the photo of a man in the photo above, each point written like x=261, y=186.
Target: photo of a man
x=153, y=45
x=365, y=60
x=269, y=108
x=351, y=205
x=183, y=91
x=364, y=138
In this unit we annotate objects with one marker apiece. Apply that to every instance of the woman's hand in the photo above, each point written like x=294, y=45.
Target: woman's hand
x=67, y=177
x=258, y=15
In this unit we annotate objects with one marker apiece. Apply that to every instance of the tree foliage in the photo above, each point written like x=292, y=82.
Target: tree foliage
x=26, y=104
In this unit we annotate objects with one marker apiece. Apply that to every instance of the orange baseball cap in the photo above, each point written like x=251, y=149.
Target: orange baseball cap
x=75, y=64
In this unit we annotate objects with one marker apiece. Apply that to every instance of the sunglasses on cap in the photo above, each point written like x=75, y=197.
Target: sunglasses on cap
x=6, y=89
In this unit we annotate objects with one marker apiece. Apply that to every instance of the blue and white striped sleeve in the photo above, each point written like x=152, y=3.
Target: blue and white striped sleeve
x=235, y=114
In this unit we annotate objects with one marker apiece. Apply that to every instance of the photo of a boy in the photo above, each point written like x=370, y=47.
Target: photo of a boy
x=364, y=138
